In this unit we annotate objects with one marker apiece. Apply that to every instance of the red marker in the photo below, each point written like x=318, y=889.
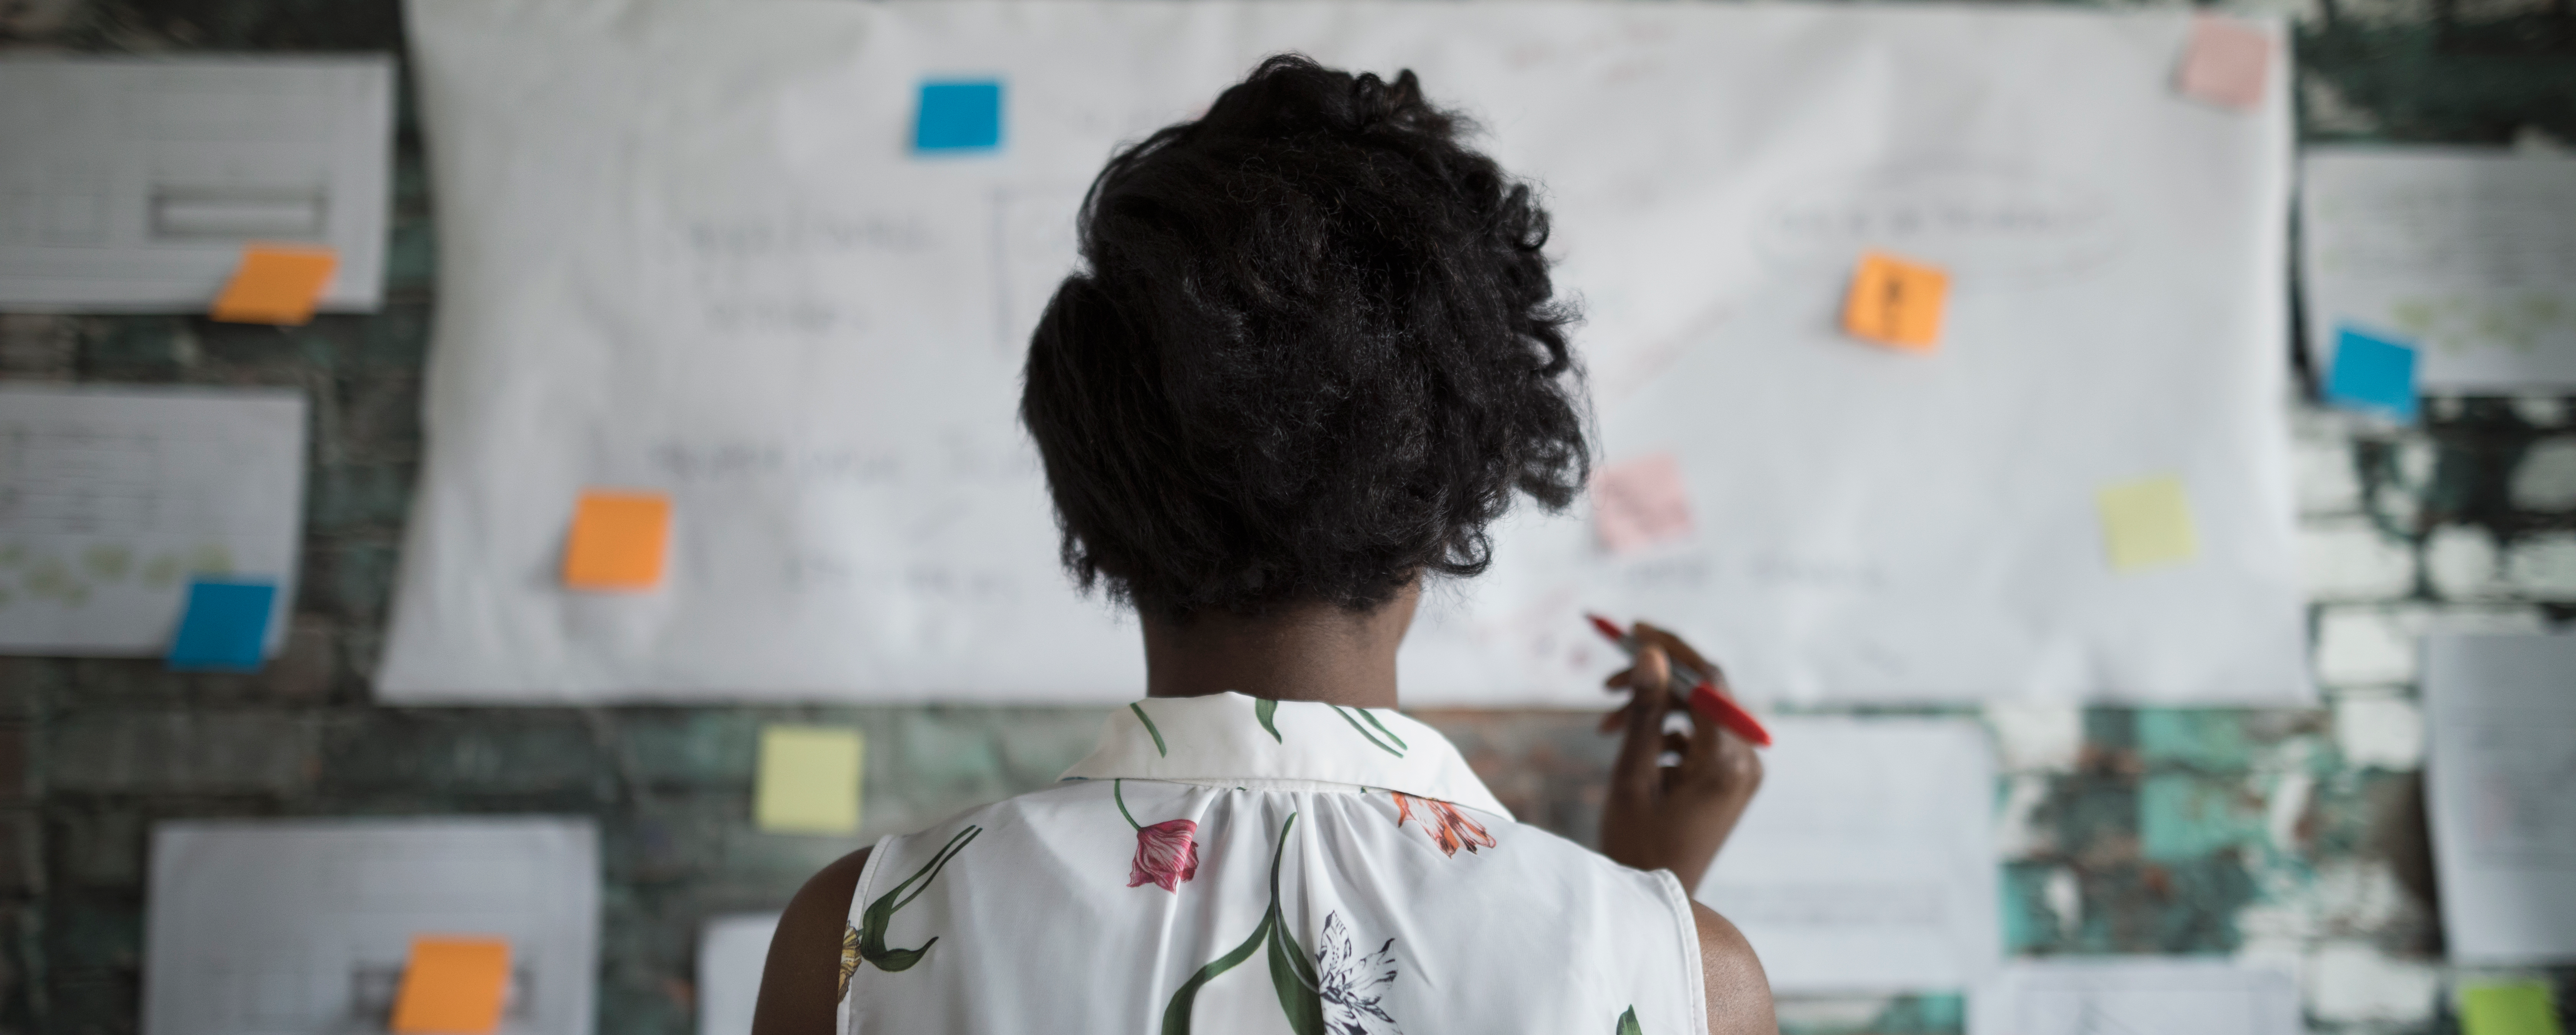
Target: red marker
x=1703, y=696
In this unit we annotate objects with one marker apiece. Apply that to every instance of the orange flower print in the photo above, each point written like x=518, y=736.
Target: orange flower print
x=1448, y=827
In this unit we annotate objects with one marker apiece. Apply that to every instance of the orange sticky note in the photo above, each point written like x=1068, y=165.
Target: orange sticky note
x=453, y=986
x=1896, y=302
x=2225, y=62
x=1640, y=503
x=618, y=540
x=276, y=283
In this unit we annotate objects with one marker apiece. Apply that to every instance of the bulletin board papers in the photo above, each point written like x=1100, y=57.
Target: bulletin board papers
x=2137, y=995
x=2467, y=254
x=731, y=954
x=257, y=927
x=695, y=248
x=131, y=184
x=111, y=500
x=2501, y=757
x=1867, y=863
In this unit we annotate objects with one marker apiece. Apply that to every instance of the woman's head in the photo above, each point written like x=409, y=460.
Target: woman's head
x=1315, y=352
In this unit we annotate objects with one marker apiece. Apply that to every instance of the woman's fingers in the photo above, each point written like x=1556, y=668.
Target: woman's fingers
x=1634, y=772
x=1707, y=738
x=1647, y=633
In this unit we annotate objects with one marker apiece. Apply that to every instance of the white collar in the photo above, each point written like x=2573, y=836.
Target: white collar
x=1229, y=736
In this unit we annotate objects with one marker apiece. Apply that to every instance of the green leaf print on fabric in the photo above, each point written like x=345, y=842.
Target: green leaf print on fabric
x=1334, y=1001
x=872, y=930
x=1628, y=1023
x=1381, y=728
x=1176, y=1017
x=1263, y=709
x=1148, y=720
x=1292, y=975
x=1397, y=751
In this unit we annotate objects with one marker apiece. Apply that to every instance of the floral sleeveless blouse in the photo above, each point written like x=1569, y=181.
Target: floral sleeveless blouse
x=1231, y=865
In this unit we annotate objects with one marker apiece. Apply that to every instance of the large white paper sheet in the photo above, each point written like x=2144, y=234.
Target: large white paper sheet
x=2137, y=995
x=1867, y=863
x=296, y=926
x=685, y=247
x=731, y=954
x=2468, y=253
x=131, y=184
x=111, y=498
x=2500, y=715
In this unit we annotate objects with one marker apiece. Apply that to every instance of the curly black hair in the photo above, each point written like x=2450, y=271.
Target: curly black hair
x=1313, y=355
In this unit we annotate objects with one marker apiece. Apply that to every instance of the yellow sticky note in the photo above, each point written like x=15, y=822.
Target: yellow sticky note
x=276, y=283
x=1896, y=302
x=453, y=986
x=618, y=540
x=809, y=779
x=2507, y=1008
x=2147, y=523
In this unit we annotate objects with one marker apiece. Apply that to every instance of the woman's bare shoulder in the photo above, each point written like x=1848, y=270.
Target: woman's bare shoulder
x=800, y=986
x=1739, y=997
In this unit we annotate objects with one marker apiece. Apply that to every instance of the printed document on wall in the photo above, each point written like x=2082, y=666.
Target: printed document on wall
x=112, y=500
x=731, y=953
x=2137, y=995
x=131, y=184
x=263, y=926
x=713, y=252
x=2500, y=712
x=2466, y=254
x=1867, y=863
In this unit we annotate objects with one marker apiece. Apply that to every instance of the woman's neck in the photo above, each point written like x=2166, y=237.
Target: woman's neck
x=1304, y=653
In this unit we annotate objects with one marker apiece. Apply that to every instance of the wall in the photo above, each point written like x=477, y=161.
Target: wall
x=2292, y=835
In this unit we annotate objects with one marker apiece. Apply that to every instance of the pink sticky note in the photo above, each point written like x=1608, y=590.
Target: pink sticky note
x=1639, y=503
x=2226, y=61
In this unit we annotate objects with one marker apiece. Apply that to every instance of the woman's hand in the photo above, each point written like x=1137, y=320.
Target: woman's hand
x=1672, y=817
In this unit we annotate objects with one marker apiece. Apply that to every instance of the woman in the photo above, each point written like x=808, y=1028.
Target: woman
x=1314, y=355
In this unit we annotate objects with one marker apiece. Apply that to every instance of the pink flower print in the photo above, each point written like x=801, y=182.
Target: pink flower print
x=1167, y=853
x=1449, y=828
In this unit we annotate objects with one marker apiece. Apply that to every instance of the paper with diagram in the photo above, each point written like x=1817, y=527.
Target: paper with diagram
x=131, y=184
x=112, y=500
x=2500, y=717
x=700, y=249
x=731, y=953
x=1867, y=863
x=2137, y=995
x=263, y=926
x=2468, y=254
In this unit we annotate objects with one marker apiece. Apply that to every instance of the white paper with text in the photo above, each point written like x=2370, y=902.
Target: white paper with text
x=685, y=247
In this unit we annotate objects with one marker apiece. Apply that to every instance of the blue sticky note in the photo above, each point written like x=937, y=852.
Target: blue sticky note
x=959, y=115
x=224, y=627
x=2372, y=373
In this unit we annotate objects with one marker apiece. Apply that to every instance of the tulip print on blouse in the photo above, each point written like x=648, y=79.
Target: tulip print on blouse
x=1306, y=877
x=1166, y=853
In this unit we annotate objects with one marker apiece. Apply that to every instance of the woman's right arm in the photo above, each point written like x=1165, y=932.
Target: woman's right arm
x=1676, y=817
x=800, y=986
